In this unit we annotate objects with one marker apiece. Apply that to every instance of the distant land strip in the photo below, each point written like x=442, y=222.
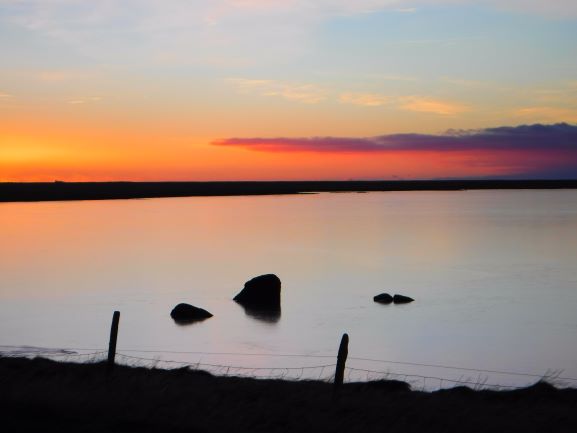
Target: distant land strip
x=58, y=191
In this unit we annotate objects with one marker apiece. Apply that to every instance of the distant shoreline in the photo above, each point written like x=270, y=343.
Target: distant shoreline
x=64, y=191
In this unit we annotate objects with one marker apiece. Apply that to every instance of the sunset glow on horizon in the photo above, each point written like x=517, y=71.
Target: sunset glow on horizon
x=153, y=90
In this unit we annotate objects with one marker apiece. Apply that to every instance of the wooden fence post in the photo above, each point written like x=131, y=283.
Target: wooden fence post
x=341, y=360
x=113, y=338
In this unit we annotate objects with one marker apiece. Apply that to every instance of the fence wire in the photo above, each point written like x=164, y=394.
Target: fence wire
x=424, y=383
x=323, y=372
x=350, y=358
x=318, y=372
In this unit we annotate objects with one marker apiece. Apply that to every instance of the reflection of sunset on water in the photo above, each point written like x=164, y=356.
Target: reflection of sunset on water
x=492, y=264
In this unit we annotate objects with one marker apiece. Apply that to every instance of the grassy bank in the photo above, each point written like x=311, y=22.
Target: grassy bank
x=49, y=191
x=45, y=396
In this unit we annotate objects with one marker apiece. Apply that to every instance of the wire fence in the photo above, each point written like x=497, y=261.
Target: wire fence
x=420, y=376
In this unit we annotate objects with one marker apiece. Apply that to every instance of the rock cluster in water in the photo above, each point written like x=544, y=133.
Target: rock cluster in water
x=261, y=299
x=385, y=298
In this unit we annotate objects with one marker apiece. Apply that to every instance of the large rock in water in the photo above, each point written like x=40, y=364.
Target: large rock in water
x=262, y=291
x=189, y=313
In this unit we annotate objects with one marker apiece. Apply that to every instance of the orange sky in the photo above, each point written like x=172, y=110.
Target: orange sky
x=93, y=91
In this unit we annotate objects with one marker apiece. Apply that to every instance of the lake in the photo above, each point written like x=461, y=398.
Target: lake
x=494, y=275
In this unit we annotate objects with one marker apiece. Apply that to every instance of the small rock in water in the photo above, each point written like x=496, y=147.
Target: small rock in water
x=189, y=313
x=383, y=298
x=400, y=299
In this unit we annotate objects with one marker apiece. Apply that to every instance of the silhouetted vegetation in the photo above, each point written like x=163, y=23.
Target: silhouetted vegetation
x=44, y=396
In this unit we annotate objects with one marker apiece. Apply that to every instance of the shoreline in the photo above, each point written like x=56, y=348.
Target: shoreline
x=68, y=191
x=44, y=395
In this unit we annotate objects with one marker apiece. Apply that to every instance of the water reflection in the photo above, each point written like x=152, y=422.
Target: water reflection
x=187, y=322
x=488, y=269
x=262, y=314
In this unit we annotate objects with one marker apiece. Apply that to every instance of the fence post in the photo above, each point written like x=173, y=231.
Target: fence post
x=112, y=342
x=341, y=360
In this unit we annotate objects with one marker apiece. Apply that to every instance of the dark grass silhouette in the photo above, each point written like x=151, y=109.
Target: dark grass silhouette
x=41, y=395
x=121, y=190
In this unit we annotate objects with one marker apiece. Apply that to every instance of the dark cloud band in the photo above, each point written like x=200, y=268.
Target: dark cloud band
x=561, y=137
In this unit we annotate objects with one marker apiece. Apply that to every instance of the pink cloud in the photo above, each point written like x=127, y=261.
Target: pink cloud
x=533, y=150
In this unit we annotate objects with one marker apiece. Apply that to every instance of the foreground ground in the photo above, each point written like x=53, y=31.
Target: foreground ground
x=44, y=396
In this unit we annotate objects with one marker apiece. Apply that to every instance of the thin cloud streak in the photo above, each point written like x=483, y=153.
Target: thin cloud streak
x=419, y=104
x=305, y=93
x=91, y=99
x=365, y=99
x=309, y=93
x=544, y=113
x=428, y=105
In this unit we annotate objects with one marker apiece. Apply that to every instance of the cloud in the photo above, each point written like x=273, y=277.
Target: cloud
x=528, y=151
x=313, y=94
x=84, y=100
x=428, y=105
x=5, y=95
x=365, y=99
x=163, y=17
x=420, y=104
x=305, y=93
x=221, y=32
x=546, y=113
x=561, y=137
x=306, y=144
x=167, y=15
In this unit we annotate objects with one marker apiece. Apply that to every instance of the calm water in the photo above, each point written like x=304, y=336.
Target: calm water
x=494, y=274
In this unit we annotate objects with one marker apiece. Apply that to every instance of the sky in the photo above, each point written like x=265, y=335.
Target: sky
x=295, y=89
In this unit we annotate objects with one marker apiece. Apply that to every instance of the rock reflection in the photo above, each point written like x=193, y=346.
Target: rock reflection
x=263, y=314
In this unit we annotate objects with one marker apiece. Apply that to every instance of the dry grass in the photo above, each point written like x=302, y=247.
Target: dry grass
x=44, y=396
